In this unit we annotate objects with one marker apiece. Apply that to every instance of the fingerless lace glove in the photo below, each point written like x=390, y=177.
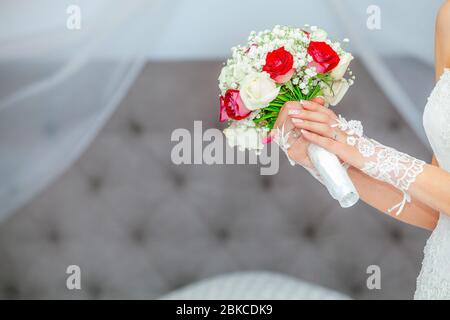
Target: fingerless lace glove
x=383, y=163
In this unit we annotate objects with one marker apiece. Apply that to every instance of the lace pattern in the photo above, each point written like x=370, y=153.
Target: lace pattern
x=439, y=103
x=434, y=278
x=433, y=281
x=383, y=163
x=389, y=165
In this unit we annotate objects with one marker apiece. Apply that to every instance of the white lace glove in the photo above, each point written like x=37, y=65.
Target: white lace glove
x=284, y=140
x=381, y=162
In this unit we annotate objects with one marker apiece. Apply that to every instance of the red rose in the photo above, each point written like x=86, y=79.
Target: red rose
x=325, y=58
x=279, y=65
x=231, y=106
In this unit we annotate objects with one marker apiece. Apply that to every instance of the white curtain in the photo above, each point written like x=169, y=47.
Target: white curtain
x=59, y=86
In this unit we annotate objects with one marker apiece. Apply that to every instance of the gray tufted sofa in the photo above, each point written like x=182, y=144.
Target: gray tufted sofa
x=140, y=227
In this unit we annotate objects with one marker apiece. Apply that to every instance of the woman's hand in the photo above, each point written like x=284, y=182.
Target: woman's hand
x=317, y=125
x=299, y=145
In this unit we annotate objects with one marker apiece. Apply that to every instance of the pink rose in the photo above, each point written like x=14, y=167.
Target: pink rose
x=232, y=106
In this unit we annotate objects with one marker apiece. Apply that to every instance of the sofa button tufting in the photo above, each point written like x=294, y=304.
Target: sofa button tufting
x=94, y=290
x=138, y=235
x=135, y=127
x=178, y=179
x=396, y=235
x=266, y=183
x=310, y=232
x=222, y=235
x=10, y=291
x=95, y=183
x=54, y=236
x=394, y=124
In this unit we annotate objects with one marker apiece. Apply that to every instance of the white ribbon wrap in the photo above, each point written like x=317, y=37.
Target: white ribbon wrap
x=328, y=170
x=334, y=176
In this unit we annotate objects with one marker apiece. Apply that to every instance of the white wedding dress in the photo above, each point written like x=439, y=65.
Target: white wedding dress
x=434, y=279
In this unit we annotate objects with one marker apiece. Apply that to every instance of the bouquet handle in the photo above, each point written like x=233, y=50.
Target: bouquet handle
x=334, y=176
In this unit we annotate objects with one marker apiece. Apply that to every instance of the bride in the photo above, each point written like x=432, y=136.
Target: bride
x=406, y=188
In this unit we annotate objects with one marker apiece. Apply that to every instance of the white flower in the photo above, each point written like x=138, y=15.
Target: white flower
x=232, y=75
x=244, y=135
x=223, y=78
x=319, y=35
x=240, y=70
x=334, y=94
x=258, y=90
x=311, y=72
x=339, y=72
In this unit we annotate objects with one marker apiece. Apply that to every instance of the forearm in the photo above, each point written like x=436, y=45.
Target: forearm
x=432, y=187
x=382, y=196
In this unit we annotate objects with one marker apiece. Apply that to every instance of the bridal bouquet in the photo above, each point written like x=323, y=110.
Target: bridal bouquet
x=277, y=66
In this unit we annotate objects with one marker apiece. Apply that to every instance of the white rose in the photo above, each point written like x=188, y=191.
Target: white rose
x=243, y=136
x=334, y=94
x=339, y=71
x=319, y=35
x=258, y=90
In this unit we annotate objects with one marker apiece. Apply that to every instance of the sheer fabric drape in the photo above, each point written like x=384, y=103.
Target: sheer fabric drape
x=59, y=86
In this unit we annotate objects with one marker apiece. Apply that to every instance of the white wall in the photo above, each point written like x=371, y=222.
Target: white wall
x=209, y=28
x=197, y=29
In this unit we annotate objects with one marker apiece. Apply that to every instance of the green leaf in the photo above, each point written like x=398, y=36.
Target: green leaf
x=290, y=86
x=275, y=109
x=283, y=98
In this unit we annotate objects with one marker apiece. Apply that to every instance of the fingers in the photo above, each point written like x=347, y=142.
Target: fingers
x=344, y=151
x=293, y=105
x=299, y=152
x=284, y=114
x=307, y=111
x=315, y=118
x=322, y=129
x=309, y=116
x=321, y=141
x=283, y=119
x=309, y=107
x=317, y=107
